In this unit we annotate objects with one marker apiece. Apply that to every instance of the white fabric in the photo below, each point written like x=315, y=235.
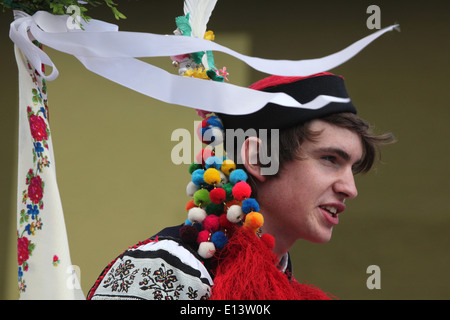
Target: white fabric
x=179, y=251
x=97, y=48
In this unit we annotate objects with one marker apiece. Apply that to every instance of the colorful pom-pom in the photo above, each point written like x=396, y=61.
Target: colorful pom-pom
x=241, y=191
x=217, y=195
x=203, y=155
x=235, y=214
x=197, y=177
x=211, y=223
x=196, y=214
x=189, y=205
x=249, y=205
x=214, y=208
x=194, y=166
x=206, y=250
x=225, y=223
x=223, y=179
x=228, y=166
x=188, y=233
x=269, y=240
x=228, y=187
x=219, y=239
x=211, y=176
x=213, y=162
x=238, y=175
x=203, y=236
x=253, y=221
x=191, y=188
x=201, y=198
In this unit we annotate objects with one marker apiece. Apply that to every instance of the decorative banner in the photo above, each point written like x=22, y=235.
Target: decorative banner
x=45, y=269
x=96, y=47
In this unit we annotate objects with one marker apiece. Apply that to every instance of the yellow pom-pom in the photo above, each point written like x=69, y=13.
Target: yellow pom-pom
x=253, y=221
x=212, y=176
x=227, y=166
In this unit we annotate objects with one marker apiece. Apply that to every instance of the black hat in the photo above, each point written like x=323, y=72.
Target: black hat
x=302, y=89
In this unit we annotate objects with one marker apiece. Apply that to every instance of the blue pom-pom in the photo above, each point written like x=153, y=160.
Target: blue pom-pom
x=213, y=162
x=197, y=178
x=215, y=122
x=249, y=205
x=238, y=175
x=219, y=239
x=187, y=222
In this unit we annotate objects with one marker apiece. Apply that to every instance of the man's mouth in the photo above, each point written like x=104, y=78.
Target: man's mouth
x=333, y=209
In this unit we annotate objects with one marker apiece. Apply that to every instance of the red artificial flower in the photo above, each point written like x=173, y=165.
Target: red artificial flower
x=35, y=191
x=38, y=128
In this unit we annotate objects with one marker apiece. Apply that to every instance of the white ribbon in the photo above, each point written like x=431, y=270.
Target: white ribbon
x=112, y=54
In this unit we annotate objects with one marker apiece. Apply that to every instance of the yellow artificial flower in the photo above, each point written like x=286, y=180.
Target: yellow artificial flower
x=209, y=35
x=199, y=73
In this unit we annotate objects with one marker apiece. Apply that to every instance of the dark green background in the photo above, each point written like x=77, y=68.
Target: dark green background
x=112, y=146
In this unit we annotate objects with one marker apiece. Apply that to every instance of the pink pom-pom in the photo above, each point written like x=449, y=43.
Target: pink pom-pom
x=241, y=191
x=203, y=236
x=203, y=155
x=211, y=223
x=217, y=195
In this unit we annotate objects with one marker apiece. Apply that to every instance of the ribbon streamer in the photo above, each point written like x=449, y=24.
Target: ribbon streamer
x=96, y=47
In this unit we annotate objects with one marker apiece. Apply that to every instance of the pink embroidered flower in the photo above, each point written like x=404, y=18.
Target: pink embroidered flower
x=38, y=128
x=22, y=250
x=35, y=191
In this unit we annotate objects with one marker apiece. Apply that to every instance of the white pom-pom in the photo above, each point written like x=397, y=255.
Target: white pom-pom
x=206, y=250
x=196, y=214
x=223, y=179
x=218, y=136
x=190, y=189
x=235, y=213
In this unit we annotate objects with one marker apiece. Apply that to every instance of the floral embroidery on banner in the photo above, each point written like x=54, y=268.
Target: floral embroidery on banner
x=32, y=197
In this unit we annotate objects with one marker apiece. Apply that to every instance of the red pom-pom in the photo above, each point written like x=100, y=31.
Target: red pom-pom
x=241, y=191
x=226, y=224
x=188, y=233
x=211, y=223
x=203, y=236
x=269, y=240
x=217, y=195
x=190, y=205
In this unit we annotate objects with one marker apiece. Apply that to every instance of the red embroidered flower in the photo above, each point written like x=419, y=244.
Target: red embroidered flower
x=38, y=128
x=35, y=191
x=22, y=250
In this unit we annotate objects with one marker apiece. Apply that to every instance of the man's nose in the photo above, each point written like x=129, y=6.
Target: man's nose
x=346, y=185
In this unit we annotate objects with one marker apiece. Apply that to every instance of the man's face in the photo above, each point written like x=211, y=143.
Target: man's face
x=307, y=196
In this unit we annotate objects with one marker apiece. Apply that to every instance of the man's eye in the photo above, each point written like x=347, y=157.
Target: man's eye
x=331, y=159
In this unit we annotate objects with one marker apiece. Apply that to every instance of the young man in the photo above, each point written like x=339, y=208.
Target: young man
x=242, y=223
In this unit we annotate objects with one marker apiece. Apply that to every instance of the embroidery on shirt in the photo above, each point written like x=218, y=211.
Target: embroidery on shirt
x=121, y=278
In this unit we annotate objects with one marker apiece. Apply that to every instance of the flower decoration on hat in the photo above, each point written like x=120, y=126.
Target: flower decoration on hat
x=200, y=64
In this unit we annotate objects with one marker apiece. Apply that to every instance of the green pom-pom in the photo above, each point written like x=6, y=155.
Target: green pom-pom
x=194, y=166
x=228, y=187
x=214, y=208
x=201, y=198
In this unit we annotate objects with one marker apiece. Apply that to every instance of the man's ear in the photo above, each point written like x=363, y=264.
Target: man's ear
x=250, y=157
